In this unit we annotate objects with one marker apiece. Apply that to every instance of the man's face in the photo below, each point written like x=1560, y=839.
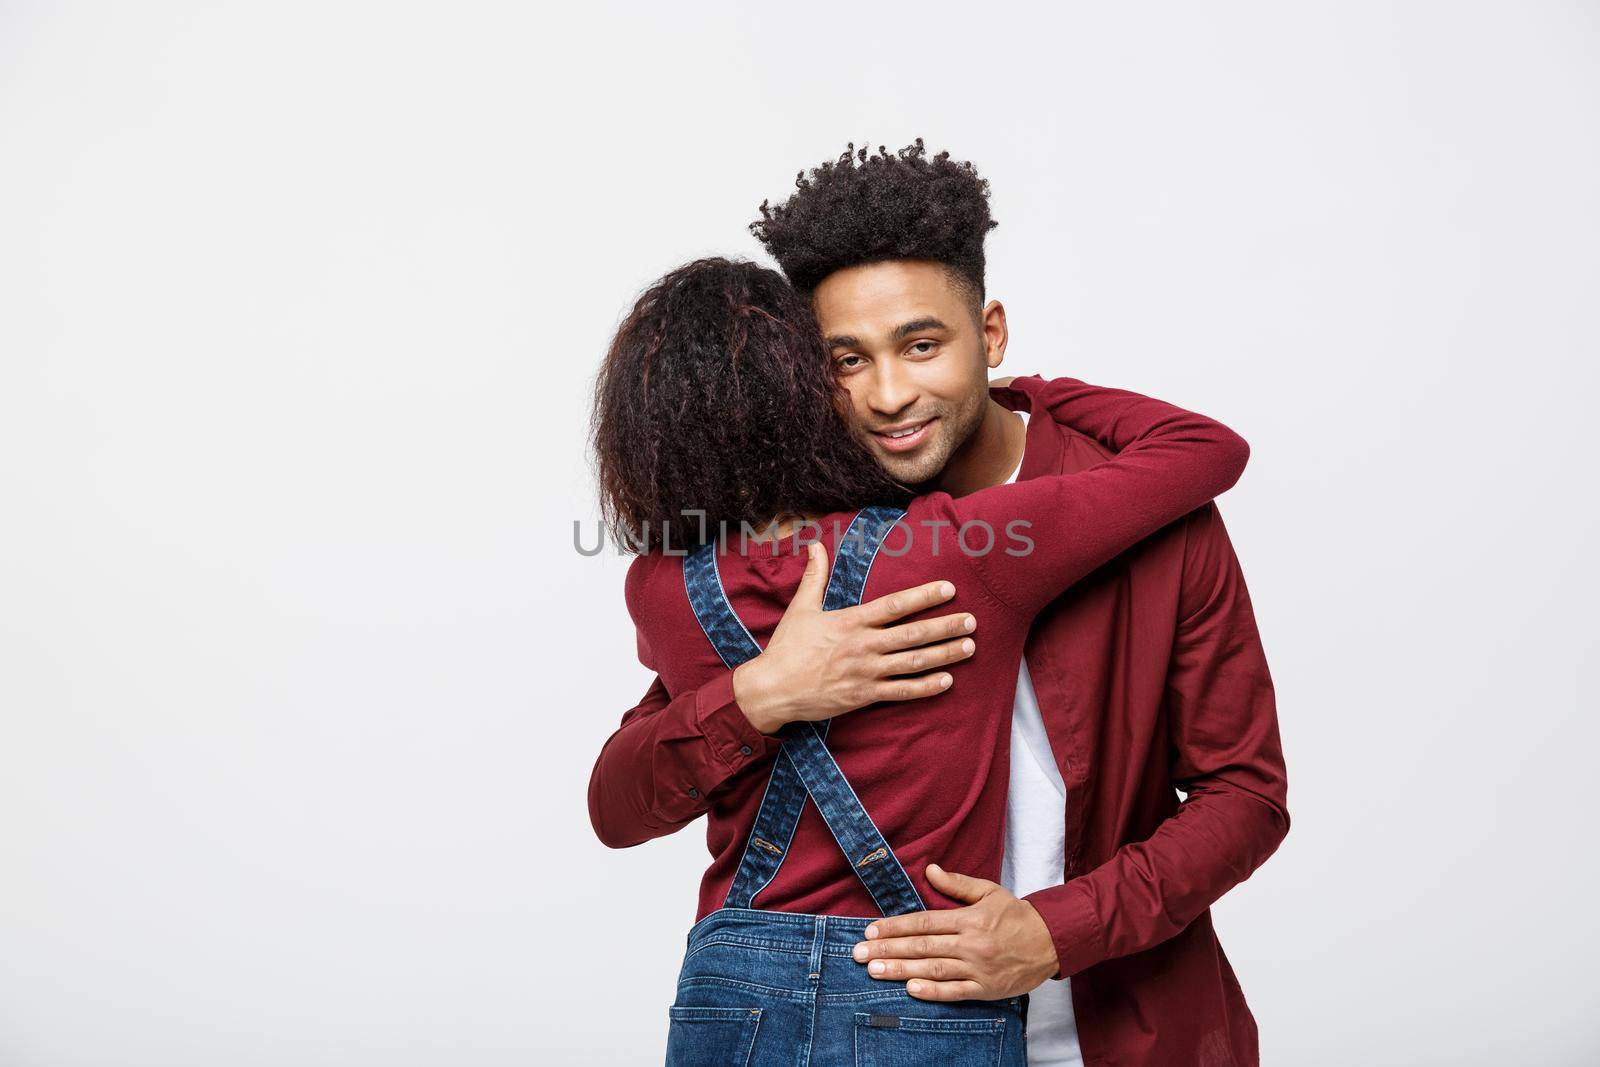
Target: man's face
x=914, y=354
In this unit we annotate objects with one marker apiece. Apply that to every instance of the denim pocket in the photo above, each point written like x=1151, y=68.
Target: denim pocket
x=907, y=1041
x=711, y=1037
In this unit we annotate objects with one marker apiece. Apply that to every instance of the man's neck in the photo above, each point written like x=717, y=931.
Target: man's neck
x=987, y=457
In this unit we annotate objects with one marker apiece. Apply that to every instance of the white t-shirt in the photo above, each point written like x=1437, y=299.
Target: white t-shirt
x=1035, y=855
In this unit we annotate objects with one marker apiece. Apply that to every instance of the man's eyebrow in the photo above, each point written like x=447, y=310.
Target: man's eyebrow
x=917, y=326
x=845, y=340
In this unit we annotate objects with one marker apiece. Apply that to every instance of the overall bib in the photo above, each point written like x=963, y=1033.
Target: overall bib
x=780, y=989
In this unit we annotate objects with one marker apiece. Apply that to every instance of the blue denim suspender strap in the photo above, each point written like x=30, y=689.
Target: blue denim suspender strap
x=804, y=765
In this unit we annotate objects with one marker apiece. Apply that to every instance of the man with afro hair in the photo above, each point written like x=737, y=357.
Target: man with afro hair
x=867, y=208
x=1144, y=680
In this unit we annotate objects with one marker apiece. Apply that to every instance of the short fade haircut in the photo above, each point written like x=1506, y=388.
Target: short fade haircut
x=863, y=208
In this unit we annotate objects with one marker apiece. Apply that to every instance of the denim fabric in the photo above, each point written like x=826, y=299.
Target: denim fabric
x=780, y=989
x=858, y=546
x=723, y=628
x=804, y=766
x=765, y=987
x=870, y=856
x=771, y=834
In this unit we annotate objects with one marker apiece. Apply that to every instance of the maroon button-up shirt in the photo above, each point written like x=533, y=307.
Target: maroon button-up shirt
x=1151, y=679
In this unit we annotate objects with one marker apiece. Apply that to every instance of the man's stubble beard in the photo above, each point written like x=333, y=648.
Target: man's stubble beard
x=956, y=427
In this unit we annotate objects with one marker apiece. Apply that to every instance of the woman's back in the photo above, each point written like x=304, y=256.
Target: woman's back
x=932, y=773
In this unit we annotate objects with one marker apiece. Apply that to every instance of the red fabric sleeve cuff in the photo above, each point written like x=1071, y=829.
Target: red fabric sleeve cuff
x=725, y=726
x=1068, y=912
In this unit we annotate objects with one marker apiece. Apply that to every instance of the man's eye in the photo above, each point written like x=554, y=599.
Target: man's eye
x=924, y=348
x=848, y=362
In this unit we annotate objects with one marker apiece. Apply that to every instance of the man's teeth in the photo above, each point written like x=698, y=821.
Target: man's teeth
x=905, y=433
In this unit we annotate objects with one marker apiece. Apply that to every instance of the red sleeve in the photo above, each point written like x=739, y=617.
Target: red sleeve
x=1226, y=755
x=668, y=760
x=1048, y=532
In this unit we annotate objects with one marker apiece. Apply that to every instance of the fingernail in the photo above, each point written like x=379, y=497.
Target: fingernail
x=876, y=967
x=967, y=647
x=970, y=625
x=946, y=589
x=935, y=867
x=860, y=953
x=872, y=931
x=913, y=987
x=944, y=681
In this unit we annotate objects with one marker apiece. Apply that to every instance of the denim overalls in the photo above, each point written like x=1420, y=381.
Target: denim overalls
x=761, y=988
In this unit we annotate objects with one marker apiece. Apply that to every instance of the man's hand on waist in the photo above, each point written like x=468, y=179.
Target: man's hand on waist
x=995, y=947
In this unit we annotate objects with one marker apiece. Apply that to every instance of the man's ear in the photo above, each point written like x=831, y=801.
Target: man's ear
x=992, y=320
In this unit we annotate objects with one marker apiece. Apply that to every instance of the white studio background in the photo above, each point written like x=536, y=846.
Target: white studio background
x=301, y=678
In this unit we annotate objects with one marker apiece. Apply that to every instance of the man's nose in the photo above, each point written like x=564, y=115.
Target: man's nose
x=892, y=389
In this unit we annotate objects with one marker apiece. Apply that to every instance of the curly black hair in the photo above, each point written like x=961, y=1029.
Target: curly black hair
x=863, y=208
x=716, y=406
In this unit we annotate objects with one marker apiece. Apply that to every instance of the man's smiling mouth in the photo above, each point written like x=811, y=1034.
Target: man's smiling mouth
x=905, y=437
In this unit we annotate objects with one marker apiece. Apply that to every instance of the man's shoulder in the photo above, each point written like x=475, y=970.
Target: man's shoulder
x=1076, y=450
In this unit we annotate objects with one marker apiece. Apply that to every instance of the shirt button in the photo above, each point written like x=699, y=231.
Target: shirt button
x=693, y=792
x=744, y=750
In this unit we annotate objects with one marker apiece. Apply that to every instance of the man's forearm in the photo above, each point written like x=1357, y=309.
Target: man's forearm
x=669, y=758
x=1222, y=727
x=1150, y=890
x=659, y=771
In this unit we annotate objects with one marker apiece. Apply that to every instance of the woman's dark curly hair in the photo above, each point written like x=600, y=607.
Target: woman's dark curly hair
x=718, y=396
x=862, y=208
